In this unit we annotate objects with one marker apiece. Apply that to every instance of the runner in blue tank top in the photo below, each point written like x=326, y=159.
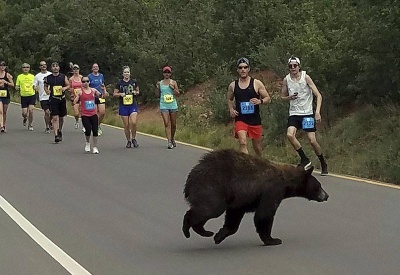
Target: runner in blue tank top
x=97, y=81
x=168, y=91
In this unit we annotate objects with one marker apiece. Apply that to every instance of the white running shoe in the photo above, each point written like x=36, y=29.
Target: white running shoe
x=83, y=129
x=76, y=125
x=95, y=150
x=30, y=128
x=87, y=147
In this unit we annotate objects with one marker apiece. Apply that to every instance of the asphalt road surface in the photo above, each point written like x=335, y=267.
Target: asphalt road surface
x=120, y=212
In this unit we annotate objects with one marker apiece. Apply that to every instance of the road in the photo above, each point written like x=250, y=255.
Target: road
x=120, y=212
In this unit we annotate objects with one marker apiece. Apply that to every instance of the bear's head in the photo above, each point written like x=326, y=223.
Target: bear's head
x=311, y=188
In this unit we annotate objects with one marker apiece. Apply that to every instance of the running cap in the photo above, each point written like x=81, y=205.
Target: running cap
x=166, y=69
x=3, y=63
x=25, y=65
x=54, y=64
x=296, y=59
x=75, y=66
x=243, y=60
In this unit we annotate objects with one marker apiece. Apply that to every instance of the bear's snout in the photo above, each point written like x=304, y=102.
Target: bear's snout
x=323, y=196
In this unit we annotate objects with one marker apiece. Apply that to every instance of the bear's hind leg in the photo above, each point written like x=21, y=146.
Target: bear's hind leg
x=191, y=219
x=197, y=217
x=233, y=218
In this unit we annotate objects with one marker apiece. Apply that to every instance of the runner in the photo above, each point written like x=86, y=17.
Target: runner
x=25, y=85
x=245, y=95
x=90, y=120
x=43, y=96
x=75, y=86
x=55, y=85
x=96, y=81
x=167, y=91
x=299, y=89
x=127, y=90
x=6, y=81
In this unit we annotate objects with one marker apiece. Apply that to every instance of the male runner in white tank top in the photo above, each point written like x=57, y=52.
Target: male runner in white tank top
x=299, y=89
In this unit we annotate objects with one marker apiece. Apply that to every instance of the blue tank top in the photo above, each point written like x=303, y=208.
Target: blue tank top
x=96, y=81
x=167, y=97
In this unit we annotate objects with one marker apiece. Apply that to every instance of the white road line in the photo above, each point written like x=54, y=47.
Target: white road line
x=51, y=248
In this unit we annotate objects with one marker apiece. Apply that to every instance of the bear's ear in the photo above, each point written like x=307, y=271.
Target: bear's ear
x=309, y=171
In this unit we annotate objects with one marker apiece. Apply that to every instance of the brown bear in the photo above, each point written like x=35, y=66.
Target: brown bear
x=231, y=181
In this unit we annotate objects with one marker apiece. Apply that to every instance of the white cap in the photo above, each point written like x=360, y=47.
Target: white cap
x=294, y=59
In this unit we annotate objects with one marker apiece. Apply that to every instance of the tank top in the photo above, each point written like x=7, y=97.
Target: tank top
x=88, y=104
x=167, y=97
x=4, y=93
x=303, y=104
x=248, y=112
x=76, y=86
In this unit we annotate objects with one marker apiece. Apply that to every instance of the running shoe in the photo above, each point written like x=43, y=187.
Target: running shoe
x=134, y=143
x=3, y=129
x=56, y=139
x=83, y=129
x=59, y=135
x=47, y=130
x=324, y=169
x=129, y=144
x=170, y=145
x=306, y=163
x=95, y=150
x=76, y=125
x=87, y=147
x=173, y=142
x=24, y=121
x=100, y=131
x=30, y=128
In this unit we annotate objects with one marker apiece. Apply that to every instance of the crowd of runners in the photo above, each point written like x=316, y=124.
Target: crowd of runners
x=87, y=94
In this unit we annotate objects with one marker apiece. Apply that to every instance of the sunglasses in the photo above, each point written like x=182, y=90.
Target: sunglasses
x=293, y=66
x=85, y=81
x=166, y=72
x=243, y=67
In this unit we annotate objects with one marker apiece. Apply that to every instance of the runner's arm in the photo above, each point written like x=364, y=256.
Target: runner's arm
x=176, y=89
x=316, y=93
x=230, y=98
x=66, y=82
x=262, y=91
x=10, y=82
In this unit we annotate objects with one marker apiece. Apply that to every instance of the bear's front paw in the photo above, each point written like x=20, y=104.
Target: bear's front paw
x=272, y=241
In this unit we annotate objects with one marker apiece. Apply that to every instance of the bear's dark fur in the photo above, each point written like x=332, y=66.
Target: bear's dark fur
x=231, y=181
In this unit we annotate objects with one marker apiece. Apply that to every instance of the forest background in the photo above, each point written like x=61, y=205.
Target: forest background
x=351, y=49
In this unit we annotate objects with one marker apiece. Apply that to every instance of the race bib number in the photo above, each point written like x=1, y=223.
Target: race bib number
x=3, y=93
x=57, y=90
x=308, y=123
x=246, y=108
x=89, y=105
x=127, y=100
x=102, y=100
x=168, y=98
x=76, y=91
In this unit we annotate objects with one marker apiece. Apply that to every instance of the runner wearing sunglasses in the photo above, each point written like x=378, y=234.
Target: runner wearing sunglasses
x=299, y=89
